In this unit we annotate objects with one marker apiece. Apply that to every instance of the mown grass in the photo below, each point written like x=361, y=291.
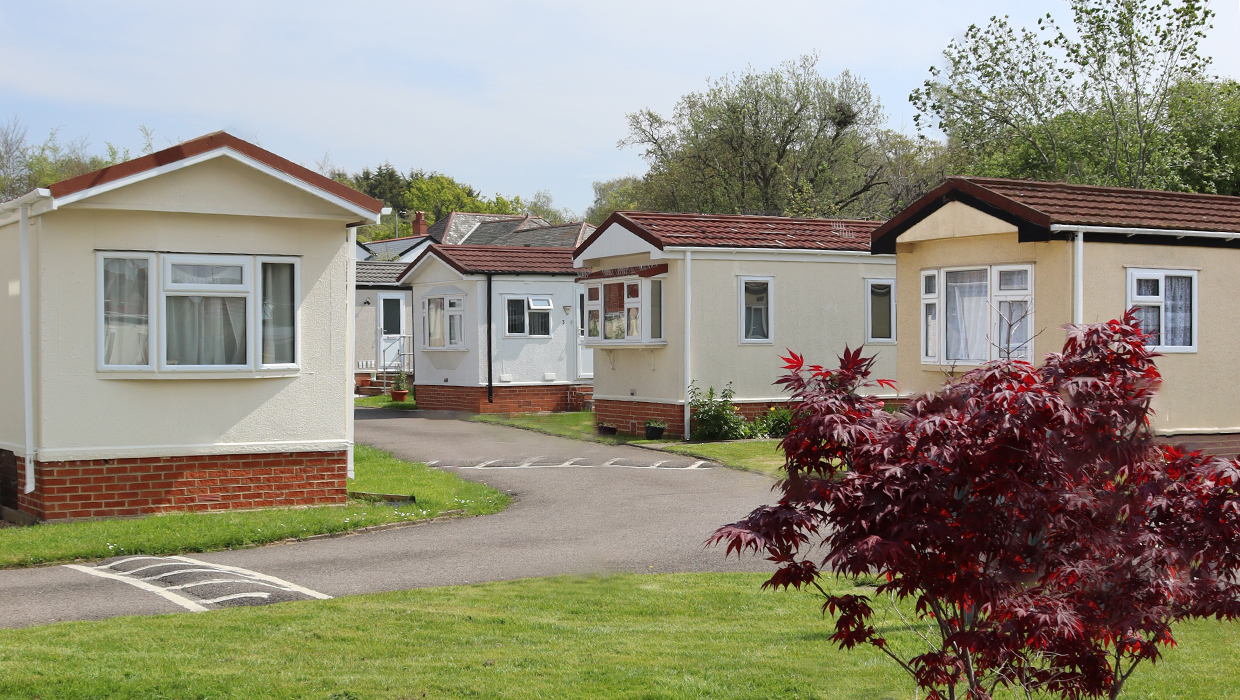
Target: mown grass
x=751, y=455
x=173, y=533
x=385, y=401
x=629, y=636
x=577, y=425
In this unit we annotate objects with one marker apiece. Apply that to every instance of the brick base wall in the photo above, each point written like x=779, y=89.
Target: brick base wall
x=630, y=416
x=108, y=488
x=1221, y=445
x=508, y=399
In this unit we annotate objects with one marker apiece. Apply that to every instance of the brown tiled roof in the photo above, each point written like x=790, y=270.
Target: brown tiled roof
x=480, y=259
x=1036, y=206
x=205, y=144
x=725, y=231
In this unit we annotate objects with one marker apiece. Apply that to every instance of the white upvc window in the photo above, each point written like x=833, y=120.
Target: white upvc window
x=443, y=323
x=216, y=313
x=1166, y=305
x=626, y=310
x=972, y=315
x=755, y=299
x=528, y=316
x=880, y=317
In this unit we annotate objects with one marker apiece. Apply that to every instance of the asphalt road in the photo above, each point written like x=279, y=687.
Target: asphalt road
x=580, y=508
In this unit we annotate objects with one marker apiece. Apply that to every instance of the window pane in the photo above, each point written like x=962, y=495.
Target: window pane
x=633, y=291
x=206, y=330
x=757, y=308
x=540, y=323
x=930, y=284
x=434, y=312
x=391, y=316
x=880, y=311
x=279, y=311
x=126, y=312
x=1013, y=280
x=656, y=308
x=1014, y=330
x=1150, y=318
x=1147, y=288
x=540, y=303
x=931, y=321
x=593, y=293
x=456, y=303
x=516, y=316
x=613, y=311
x=968, y=316
x=634, y=325
x=1178, y=305
x=456, y=328
x=592, y=326
x=206, y=274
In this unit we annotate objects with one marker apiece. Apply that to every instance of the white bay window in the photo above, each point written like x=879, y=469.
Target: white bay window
x=219, y=313
x=443, y=323
x=1166, y=306
x=625, y=311
x=974, y=315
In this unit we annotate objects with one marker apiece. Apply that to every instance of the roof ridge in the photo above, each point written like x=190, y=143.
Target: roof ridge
x=1059, y=184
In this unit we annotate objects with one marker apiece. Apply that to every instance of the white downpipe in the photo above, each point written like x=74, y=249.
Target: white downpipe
x=1078, y=278
x=350, y=340
x=27, y=345
x=688, y=318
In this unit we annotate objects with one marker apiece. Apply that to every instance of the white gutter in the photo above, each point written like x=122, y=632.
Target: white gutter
x=27, y=342
x=350, y=340
x=1131, y=231
x=688, y=318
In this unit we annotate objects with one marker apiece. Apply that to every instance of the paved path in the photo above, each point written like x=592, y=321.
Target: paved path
x=579, y=508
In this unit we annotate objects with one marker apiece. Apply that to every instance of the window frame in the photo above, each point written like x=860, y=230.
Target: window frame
x=424, y=339
x=152, y=310
x=641, y=303
x=770, y=309
x=993, y=298
x=245, y=290
x=528, y=308
x=869, y=311
x=259, y=260
x=1131, y=299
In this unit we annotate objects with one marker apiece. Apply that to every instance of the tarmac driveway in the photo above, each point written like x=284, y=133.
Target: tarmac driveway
x=580, y=508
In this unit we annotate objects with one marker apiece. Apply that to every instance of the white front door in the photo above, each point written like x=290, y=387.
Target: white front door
x=585, y=356
x=391, y=328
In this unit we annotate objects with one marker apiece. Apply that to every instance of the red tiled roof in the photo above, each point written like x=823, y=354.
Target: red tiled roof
x=479, y=259
x=724, y=231
x=205, y=144
x=1036, y=206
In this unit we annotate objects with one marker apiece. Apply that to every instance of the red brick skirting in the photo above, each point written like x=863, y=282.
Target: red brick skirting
x=108, y=488
x=1221, y=444
x=507, y=399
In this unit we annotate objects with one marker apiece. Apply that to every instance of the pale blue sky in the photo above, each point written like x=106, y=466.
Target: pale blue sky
x=508, y=96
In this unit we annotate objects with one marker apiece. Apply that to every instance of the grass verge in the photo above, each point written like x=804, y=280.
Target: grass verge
x=173, y=533
x=751, y=455
x=385, y=401
x=577, y=425
x=629, y=636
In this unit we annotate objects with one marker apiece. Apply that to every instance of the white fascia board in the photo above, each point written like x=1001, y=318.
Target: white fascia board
x=780, y=254
x=1132, y=231
x=409, y=276
x=224, y=152
x=614, y=241
x=38, y=201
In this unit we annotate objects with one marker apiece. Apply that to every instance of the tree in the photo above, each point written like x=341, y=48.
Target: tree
x=25, y=166
x=785, y=141
x=1094, y=105
x=1046, y=542
x=617, y=194
x=542, y=205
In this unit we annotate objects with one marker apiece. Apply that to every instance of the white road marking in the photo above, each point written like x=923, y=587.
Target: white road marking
x=161, y=592
x=610, y=462
x=492, y=461
x=261, y=577
x=696, y=464
x=529, y=461
x=235, y=596
x=656, y=464
x=431, y=464
x=252, y=582
x=178, y=571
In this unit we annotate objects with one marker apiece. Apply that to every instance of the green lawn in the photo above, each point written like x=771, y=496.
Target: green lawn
x=751, y=455
x=376, y=471
x=385, y=401
x=578, y=425
x=630, y=636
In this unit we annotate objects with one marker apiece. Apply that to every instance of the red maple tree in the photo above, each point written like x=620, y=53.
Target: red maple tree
x=1046, y=541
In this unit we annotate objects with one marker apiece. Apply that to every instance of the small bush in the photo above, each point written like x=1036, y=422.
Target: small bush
x=714, y=416
x=775, y=423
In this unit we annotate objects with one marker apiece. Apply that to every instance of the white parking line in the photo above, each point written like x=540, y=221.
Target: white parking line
x=696, y=466
x=235, y=596
x=161, y=592
x=252, y=582
x=261, y=577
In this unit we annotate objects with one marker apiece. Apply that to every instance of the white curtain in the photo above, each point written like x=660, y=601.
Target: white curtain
x=279, y=310
x=126, y=311
x=1178, y=304
x=1014, y=330
x=206, y=330
x=435, y=311
x=1150, y=321
x=968, y=316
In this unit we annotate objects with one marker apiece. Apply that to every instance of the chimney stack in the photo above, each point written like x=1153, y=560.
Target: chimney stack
x=419, y=223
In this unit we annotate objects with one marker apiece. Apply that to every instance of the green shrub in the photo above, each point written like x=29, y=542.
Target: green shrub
x=775, y=423
x=714, y=416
